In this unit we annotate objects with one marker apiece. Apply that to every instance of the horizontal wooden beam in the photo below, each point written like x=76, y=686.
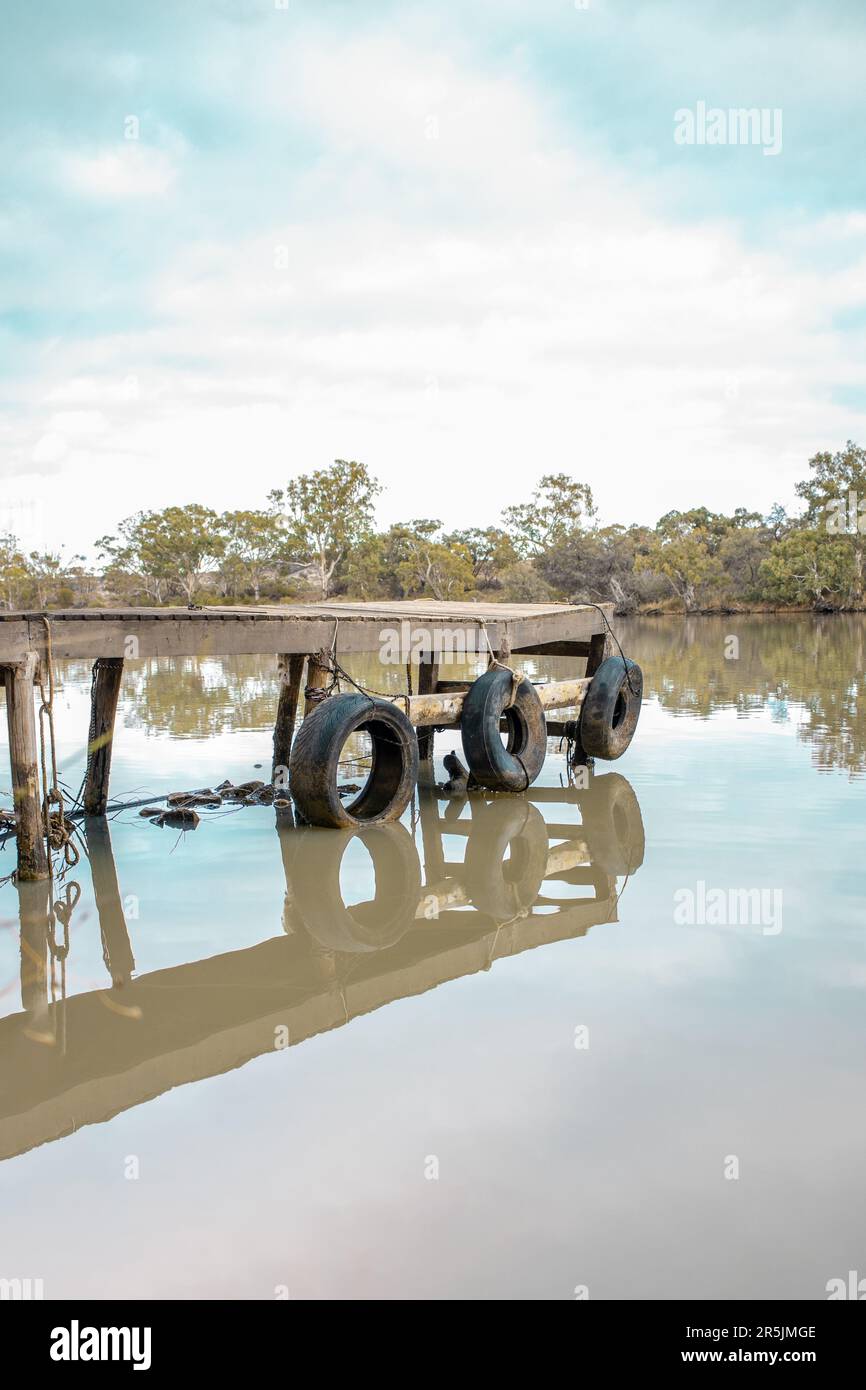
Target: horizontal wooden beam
x=445, y=709
x=554, y=649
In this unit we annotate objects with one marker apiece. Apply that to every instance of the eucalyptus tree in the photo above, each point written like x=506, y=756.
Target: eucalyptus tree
x=327, y=512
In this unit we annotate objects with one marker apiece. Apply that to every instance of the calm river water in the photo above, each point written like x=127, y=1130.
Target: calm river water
x=608, y=1038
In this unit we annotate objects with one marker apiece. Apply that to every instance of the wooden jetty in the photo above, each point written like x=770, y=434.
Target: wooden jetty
x=303, y=639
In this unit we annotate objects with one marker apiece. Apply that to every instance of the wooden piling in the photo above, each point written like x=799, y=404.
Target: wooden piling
x=428, y=680
x=601, y=646
x=106, y=691
x=23, y=755
x=291, y=668
x=318, y=676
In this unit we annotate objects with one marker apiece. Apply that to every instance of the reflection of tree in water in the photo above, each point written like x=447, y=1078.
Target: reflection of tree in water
x=189, y=698
x=836, y=728
x=806, y=667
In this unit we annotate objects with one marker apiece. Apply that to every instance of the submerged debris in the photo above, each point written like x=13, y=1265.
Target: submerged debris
x=180, y=807
x=181, y=817
x=239, y=792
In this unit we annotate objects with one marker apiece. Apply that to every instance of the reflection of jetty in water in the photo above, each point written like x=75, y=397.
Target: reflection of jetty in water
x=523, y=882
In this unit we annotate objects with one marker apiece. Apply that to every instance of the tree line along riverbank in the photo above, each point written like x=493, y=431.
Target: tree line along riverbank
x=316, y=539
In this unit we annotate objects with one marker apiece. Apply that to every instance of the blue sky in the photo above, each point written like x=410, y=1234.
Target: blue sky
x=457, y=241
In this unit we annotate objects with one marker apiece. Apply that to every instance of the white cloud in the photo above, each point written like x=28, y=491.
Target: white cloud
x=50, y=449
x=129, y=170
x=80, y=424
x=462, y=313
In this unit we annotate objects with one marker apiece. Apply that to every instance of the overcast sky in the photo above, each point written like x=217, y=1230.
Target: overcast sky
x=456, y=240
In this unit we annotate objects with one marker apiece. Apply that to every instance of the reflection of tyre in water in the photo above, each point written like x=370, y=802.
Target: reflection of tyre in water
x=613, y=824
x=505, y=888
x=365, y=926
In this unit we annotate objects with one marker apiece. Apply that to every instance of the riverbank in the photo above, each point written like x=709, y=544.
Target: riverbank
x=737, y=610
x=658, y=610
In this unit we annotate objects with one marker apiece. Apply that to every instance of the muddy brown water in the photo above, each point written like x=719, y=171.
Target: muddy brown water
x=606, y=1037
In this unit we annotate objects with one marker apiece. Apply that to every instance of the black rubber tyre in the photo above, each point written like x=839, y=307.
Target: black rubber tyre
x=314, y=760
x=611, y=708
x=368, y=926
x=515, y=766
x=613, y=825
x=505, y=888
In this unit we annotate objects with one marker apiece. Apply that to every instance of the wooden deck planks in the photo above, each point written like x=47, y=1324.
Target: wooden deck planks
x=156, y=632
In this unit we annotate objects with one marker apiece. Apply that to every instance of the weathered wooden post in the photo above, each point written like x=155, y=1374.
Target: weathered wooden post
x=106, y=691
x=291, y=669
x=601, y=646
x=428, y=679
x=318, y=676
x=23, y=754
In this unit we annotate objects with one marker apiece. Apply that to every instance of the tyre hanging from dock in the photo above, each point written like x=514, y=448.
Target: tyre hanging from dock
x=315, y=760
x=611, y=708
x=503, y=694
